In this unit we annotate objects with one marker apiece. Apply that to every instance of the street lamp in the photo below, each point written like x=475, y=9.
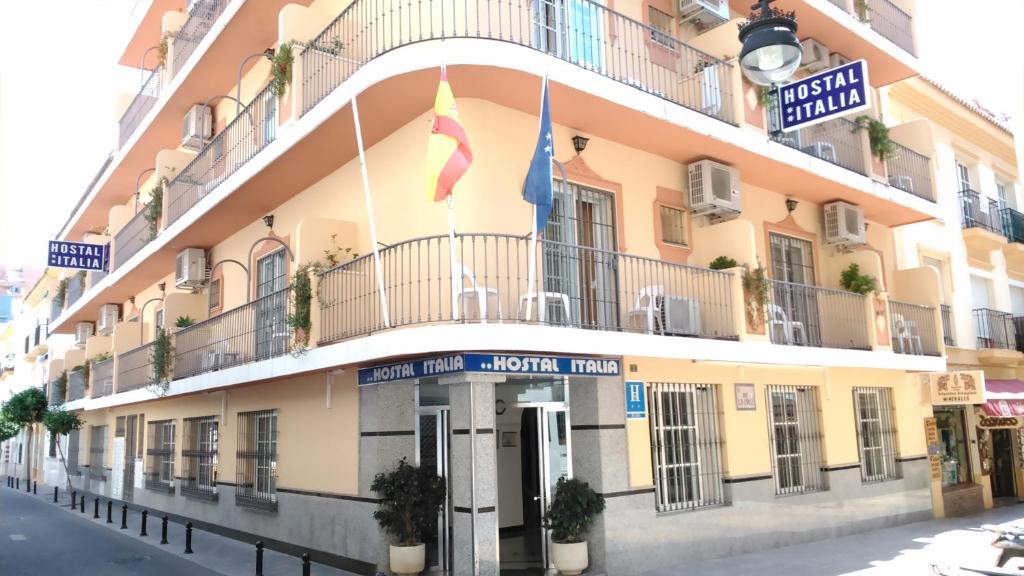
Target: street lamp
x=771, y=51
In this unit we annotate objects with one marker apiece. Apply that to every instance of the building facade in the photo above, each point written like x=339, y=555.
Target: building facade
x=698, y=361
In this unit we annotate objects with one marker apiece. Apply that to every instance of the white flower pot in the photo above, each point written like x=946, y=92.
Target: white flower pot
x=570, y=559
x=408, y=560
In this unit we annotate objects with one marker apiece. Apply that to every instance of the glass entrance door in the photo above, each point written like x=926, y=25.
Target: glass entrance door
x=546, y=459
x=432, y=452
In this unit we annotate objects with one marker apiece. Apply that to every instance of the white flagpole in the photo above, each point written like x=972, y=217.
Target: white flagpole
x=456, y=274
x=369, y=214
x=531, y=269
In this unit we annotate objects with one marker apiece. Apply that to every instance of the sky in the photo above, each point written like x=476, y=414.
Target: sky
x=60, y=82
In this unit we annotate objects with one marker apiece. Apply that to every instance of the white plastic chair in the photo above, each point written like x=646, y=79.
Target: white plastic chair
x=790, y=328
x=907, y=335
x=648, y=306
x=822, y=150
x=462, y=274
x=903, y=182
x=540, y=304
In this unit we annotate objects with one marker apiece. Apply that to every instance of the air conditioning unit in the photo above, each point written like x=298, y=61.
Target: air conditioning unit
x=190, y=268
x=714, y=188
x=835, y=60
x=109, y=315
x=707, y=12
x=815, y=57
x=844, y=224
x=196, y=127
x=82, y=332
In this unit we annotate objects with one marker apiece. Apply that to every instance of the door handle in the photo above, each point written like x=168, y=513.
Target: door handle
x=536, y=498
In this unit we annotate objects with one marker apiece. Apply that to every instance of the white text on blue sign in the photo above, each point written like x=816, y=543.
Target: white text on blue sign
x=77, y=255
x=837, y=92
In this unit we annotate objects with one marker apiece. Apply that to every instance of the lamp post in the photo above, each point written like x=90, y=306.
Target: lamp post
x=771, y=51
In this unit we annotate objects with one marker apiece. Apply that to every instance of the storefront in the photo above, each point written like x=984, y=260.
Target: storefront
x=1001, y=437
x=960, y=472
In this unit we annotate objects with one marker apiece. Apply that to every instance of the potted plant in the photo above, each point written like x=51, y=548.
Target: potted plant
x=755, y=293
x=569, y=517
x=410, y=500
x=722, y=263
x=155, y=208
x=851, y=279
x=183, y=322
x=881, y=145
x=281, y=69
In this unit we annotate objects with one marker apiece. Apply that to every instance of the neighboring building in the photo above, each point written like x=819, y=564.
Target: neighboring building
x=761, y=413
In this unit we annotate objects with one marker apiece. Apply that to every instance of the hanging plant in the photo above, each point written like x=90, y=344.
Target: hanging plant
x=851, y=279
x=863, y=11
x=281, y=69
x=882, y=147
x=155, y=208
x=163, y=48
x=161, y=358
x=61, y=384
x=300, y=320
x=755, y=291
x=83, y=369
x=61, y=295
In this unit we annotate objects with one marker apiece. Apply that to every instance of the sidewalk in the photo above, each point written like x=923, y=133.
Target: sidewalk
x=217, y=553
x=907, y=550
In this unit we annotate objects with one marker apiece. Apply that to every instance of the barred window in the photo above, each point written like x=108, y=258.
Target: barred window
x=673, y=225
x=214, y=293
x=160, y=456
x=795, y=436
x=97, y=445
x=686, y=445
x=199, y=457
x=661, y=27
x=876, y=434
x=256, y=475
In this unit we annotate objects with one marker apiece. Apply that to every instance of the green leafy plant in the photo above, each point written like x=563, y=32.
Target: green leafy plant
x=155, y=208
x=184, y=321
x=572, y=510
x=163, y=48
x=863, y=11
x=26, y=409
x=161, y=358
x=764, y=96
x=410, y=500
x=702, y=63
x=882, y=147
x=8, y=429
x=722, y=263
x=61, y=295
x=61, y=423
x=281, y=68
x=101, y=357
x=851, y=279
x=755, y=291
x=80, y=276
x=61, y=383
x=83, y=369
x=300, y=319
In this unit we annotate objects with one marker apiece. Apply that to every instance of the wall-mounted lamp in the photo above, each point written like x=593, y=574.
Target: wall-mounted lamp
x=579, y=143
x=269, y=221
x=131, y=299
x=866, y=224
x=163, y=287
x=791, y=205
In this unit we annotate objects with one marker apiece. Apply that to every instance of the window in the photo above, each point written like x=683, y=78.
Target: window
x=1002, y=192
x=673, y=225
x=256, y=477
x=795, y=439
x=160, y=456
x=876, y=434
x=963, y=175
x=661, y=27
x=215, y=294
x=199, y=457
x=269, y=105
x=685, y=445
x=158, y=322
x=97, y=443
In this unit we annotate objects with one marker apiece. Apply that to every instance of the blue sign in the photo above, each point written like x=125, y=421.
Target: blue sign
x=636, y=403
x=837, y=92
x=496, y=363
x=78, y=255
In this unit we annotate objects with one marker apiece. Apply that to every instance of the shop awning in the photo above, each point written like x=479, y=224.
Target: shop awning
x=1004, y=398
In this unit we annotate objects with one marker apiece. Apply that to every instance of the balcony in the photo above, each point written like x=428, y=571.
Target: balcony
x=56, y=391
x=913, y=329
x=575, y=287
x=982, y=228
x=837, y=141
x=893, y=23
x=129, y=240
x=996, y=337
x=201, y=17
x=911, y=172
x=948, y=331
x=76, y=287
x=802, y=315
x=135, y=368
x=76, y=385
x=96, y=276
x=140, y=106
x=1013, y=228
x=102, y=378
x=255, y=331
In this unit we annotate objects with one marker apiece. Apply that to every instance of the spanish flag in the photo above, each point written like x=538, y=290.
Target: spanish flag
x=448, y=153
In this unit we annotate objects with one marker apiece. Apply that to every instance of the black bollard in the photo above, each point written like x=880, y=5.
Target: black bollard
x=96, y=509
x=259, y=558
x=74, y=499
x=28, y=486
x=110, y=511
x=163, y=530
x=35, y=486
x=17, y=483
x=188, y=538
x=305, y=564
x=54, y=494
x=82, y=503
x=124, y=516
x=145, y=516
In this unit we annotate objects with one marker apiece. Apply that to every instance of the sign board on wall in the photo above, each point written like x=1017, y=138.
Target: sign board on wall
x=931, y=435
x=78, y=255
x=840, y=91
x=496, y=363
x=636, y=403
x=951, y=388
x=986, y=421
x=745, y=398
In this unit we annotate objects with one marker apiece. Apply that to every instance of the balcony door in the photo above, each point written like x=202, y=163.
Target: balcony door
x=271, y=305
x=580, y=259
x=793, y=300
x=572, y=30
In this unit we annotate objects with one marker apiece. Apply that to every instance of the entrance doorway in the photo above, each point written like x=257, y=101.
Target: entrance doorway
x=1002, y=467
x=534, y=452
x=433, y=451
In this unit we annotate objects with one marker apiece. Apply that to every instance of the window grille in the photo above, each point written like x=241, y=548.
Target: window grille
x=256, y=475
x=199, y=457
x=796, y=441
x=876, y=434
x=686, y=445
x=673, y=226
x=214, y=293
x=97, y=444
x=160, y=456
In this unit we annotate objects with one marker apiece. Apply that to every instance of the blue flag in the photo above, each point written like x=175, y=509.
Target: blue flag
x=539, y=188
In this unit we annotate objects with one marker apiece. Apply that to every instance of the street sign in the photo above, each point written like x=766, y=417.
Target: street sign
x=837, y=92
x=78, y=255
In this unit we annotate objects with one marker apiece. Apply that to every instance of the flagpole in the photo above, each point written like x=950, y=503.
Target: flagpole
x=531, y=273
x=456, y=275
x=369, y=214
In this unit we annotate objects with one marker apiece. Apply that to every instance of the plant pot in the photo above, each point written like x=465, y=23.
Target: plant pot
x=570, y=559
x=408, y=560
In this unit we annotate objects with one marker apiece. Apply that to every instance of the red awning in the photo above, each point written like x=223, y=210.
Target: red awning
x=1004, y=398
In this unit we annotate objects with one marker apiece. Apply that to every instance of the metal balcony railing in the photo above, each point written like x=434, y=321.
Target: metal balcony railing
x=837, y=141
x=911, y=172
x=250, y=132
x=913, y=329
x=56, y=391
x=948, y=330
x=139, y=107
x=76, y=287
x=130, y=239
x=56, y=307
x=96, y=276
x=1018, y=332
x=102, y=378
x=135, y=368
x=888, y=20
x=979, y=211
x=995, y=329
x=254, y=331
x=76, y=385
x=574, y=286
x=201, y=17
x=802, y=315
x=592, y=36
x=1013, y=225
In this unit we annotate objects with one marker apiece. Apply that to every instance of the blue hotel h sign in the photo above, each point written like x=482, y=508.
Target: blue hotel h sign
x=841, y=91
